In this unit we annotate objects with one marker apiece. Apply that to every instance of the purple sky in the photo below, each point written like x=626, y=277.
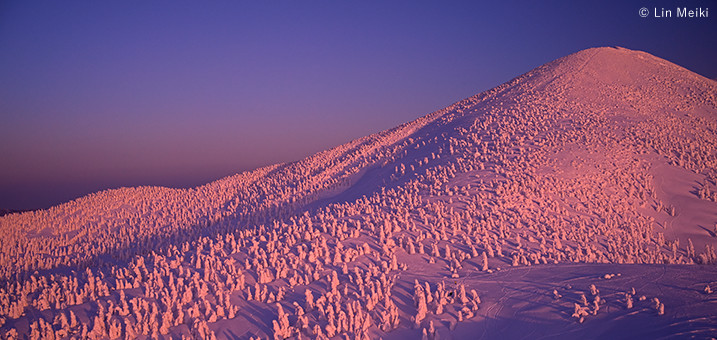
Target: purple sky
x=102, y=94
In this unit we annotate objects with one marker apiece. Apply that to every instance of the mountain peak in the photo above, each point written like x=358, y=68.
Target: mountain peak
x=615, y=76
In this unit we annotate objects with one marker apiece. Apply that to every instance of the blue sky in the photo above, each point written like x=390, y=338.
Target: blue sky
x=101, y=94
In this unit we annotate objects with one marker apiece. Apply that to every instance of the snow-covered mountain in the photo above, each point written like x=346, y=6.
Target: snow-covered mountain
x=579, y=199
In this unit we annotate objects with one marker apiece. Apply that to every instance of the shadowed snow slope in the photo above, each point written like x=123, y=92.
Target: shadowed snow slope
x=577, y=200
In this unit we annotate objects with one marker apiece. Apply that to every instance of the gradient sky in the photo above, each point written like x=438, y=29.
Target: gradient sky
x=102, y=94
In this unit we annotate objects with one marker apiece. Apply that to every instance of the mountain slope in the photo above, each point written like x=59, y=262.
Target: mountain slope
x=604, y=156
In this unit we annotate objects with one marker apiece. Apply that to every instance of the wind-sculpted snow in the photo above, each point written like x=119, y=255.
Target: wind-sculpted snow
x=577, y=200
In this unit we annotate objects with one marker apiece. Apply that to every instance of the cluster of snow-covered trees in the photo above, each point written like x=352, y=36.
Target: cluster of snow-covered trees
x=516, y=176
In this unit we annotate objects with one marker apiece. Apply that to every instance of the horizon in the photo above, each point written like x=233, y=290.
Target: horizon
x=100, y=96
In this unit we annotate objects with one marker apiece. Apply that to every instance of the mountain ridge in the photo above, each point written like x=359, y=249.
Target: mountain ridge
x=480, y=96
x=550, y=77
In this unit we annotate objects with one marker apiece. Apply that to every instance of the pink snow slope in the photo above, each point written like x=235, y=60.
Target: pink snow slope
x=578, y=200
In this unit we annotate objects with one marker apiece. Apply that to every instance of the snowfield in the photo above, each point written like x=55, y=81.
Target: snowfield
x=578, y=200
